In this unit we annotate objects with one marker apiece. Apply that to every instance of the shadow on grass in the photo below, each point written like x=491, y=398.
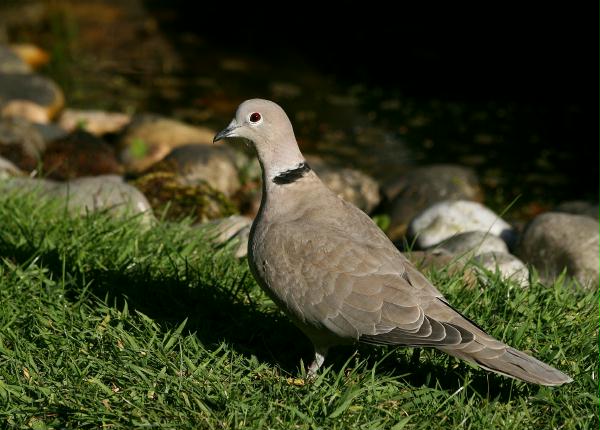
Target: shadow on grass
x=215, y=314
x=218, y=314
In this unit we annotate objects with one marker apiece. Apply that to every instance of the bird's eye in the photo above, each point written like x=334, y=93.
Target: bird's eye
x=255, y=117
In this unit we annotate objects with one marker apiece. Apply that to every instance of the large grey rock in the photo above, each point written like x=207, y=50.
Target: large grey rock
x=84, y=195
x=553, y=242
x=215, y=164
x=21, y=143
x=33, y=89
x=424, y=186
x=509, y=266
x=27, y=185
x=352, y=185
x=104, y=192
x=149, y=138
x=578, y=207
x=448, y=218
x=472, y=243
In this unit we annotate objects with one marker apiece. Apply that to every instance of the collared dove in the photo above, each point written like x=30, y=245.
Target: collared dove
x=336, y=274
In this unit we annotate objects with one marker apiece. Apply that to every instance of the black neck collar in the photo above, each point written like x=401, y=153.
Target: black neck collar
x=292, y=175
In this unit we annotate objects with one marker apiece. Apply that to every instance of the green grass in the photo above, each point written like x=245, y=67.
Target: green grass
x=106, y=324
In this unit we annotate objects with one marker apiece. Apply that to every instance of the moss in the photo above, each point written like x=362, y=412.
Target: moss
x=169, y=194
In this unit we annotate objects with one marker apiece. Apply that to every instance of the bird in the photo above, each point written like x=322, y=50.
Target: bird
x=336, y=274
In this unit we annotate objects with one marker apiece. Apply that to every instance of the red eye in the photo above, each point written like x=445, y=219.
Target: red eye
x=255, y=117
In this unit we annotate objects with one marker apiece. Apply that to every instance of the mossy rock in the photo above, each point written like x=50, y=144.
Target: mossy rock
x=171, y=195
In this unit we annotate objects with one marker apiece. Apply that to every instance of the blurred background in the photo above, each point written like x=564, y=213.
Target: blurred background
x=505, y=90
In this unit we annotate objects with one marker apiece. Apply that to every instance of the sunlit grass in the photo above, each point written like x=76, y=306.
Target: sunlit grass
x=105, y=323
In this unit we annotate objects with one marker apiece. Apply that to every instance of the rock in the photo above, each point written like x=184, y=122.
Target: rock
x=104, y=192
x=214, y=164
x=84, y=195
x=233, y=228
x=93, y=121
x=25, y=109
x=50, y=132
x=553, y=242
x=448, y=218
x=27, y=185
x=509, y=266
x=424, y=186
x=150, y=138
x=439, y=260
x=173, y=196
x=242, y=236
x=352, y=185
x=472, y=243
x=33, y=88
x=7, y=169
x=11, y=62
x=578, y=207
x=248, y=197
x=32, y=55
x=79, y=154
x=21, y=143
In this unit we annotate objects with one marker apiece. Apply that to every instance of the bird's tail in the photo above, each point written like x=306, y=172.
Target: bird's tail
x=493, y=355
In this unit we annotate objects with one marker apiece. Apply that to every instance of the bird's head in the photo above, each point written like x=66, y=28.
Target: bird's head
x=266, y=125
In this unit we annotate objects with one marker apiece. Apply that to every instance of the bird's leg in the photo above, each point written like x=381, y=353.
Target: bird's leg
x=416, y=355
x=320, y=354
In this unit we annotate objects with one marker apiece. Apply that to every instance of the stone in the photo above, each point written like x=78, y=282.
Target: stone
x=509, y=266
x=149, y=138
x=233, y=228
x=84, y=195
x=104, y=192
x=448, y=218
x=32, y=55
x=32, y=88
x=242, y=237
x=7, y=169
x=424, y=186
x=25, y=109
x=352, y=185
x=215, y=164
x=441, y=260
x=472, y=243
x=50, y=132
x=553, y=242
x=27, y=185
x=79, y=154
x=96, y=122
x=21, y=143
x=173, y=197
x=11, y=62
x=578, y=207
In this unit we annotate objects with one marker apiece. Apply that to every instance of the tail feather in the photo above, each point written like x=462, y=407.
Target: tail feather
x=494, y=355
x=513, y=363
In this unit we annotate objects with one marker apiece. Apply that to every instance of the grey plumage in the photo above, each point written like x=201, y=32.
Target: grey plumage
x=337, y=275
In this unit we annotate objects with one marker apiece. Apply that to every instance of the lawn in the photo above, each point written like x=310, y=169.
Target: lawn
x=110, y=324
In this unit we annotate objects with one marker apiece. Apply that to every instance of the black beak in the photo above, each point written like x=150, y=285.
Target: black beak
x=226, y=132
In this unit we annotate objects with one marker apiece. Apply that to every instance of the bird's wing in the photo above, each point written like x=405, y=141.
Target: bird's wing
x=358, y=286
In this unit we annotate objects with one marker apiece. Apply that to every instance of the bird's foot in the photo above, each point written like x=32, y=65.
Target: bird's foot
x=320, y=354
